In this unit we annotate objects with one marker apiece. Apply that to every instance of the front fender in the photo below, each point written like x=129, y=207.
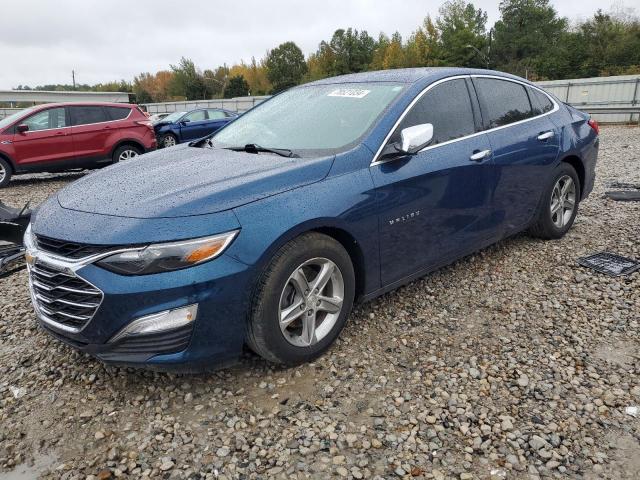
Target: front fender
x=343, y=202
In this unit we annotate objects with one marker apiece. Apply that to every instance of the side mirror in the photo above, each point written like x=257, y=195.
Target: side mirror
x=184, y=121
x=416, y=138
x=22, y=128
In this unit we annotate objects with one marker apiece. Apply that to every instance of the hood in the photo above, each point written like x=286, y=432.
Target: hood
x=184, y=181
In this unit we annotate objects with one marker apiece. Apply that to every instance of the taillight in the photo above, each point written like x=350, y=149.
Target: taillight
x=593, y=124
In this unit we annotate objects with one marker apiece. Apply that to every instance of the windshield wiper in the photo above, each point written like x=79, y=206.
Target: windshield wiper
x=254, y=148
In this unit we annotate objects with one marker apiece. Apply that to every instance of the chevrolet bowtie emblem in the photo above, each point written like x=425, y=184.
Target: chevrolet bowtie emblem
x=31, y=260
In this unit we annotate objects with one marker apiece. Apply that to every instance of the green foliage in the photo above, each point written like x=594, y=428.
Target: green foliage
x=237, y=87
x=187, y=81
x=285, y=66
x=462, y=27
x=348, y=51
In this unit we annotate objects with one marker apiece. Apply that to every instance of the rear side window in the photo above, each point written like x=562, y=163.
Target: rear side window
x=117, y=113
x=447, y=107
x=216, y=114
x=46, y=120
x=502, y=102
x=87, y=114
x=541, y=102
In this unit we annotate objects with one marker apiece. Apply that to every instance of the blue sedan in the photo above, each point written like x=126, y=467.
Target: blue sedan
x=333, y=192
x=179, y=127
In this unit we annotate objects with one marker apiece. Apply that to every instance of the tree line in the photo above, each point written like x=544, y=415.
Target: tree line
x=529, y=39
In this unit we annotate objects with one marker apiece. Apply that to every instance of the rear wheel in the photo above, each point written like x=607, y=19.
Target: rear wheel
x=125, y=152
x=302, y=301
x=559, y=205
x=5, y=173
x=169, y=140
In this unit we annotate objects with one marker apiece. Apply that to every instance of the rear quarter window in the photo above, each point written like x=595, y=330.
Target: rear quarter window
x=541, y=102
x=502, y=101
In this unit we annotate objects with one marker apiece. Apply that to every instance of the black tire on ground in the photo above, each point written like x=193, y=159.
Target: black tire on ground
x=5, y=172
x=168, y=137
x=131, y=150
x=544, y=226
x=264, y=335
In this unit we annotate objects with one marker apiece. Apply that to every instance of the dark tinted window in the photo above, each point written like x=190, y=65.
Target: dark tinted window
x=117, y=113
x=502, y=102
x=447, y=107
x=541, y=103
x=86, y=115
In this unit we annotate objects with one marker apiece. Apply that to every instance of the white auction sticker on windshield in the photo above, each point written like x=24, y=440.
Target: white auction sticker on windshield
x=349, y=92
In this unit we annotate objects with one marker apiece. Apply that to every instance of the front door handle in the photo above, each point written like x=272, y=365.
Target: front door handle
x=545, y=135
x=478, y=156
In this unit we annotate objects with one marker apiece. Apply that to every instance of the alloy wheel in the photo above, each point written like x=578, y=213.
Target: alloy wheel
x=311, y=302
x=127, y=155
x=3, y=173
x=563, y=201
x=169, y=141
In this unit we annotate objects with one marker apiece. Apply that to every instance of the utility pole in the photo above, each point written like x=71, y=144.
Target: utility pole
x=73, y=76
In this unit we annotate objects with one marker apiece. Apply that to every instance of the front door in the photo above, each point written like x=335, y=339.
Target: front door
x=435, y=205
x=47, y=140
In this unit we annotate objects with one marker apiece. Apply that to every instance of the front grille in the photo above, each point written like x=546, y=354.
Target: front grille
x=72, y=250
x=63, y=298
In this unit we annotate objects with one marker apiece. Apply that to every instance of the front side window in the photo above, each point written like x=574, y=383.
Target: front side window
x=46, y=120
x=502, y=102
x=447, y=107
x=85, y=115
x=196, y=116
x=312, y=120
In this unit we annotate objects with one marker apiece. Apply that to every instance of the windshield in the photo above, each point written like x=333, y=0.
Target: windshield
x=6, y=121
x=318, y=119
x=172, y=117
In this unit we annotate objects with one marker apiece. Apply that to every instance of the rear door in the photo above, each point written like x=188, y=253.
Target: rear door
x=436, y=204
x=194, y=125
x=525, y=144
x=217, y=120
x=47, y=140
x=91, y=129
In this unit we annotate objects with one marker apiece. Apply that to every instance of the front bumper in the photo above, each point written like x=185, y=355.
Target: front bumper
x=215, y=337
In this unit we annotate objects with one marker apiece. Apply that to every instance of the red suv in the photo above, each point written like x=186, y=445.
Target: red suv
x=63, y=136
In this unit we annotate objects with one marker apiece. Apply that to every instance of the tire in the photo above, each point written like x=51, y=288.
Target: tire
x=169, y=140
x=5, y=172
x=549, y=225
x=278, y=292
x=125, y=152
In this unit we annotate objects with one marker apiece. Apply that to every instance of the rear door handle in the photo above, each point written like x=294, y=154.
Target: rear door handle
x=478, y=156
x=546, y=135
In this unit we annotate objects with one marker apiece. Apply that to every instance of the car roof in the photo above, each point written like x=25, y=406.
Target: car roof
x=86, y=104
x=409, y=75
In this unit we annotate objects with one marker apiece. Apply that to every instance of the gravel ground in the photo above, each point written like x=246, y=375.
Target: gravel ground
x=511, y=363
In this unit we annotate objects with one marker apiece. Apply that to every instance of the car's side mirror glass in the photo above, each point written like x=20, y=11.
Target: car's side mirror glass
x=184, y=121
x=415, y=138
x=22, y=128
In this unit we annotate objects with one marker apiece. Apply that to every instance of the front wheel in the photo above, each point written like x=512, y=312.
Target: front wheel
x=169, y=140
x=559, y=205
x=302, y=300
x=5, y=173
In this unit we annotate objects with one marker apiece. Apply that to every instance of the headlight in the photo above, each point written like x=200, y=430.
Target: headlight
x=164, y=257
x=28, y=239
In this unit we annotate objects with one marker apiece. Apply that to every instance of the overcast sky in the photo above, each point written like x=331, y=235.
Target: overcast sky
x=41, y=41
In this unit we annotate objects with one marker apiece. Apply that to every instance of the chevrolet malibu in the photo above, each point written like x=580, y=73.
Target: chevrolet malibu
x=334, y=192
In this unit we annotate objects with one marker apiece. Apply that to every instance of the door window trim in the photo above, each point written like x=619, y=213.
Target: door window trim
x=69, y=107
x=376, y=157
